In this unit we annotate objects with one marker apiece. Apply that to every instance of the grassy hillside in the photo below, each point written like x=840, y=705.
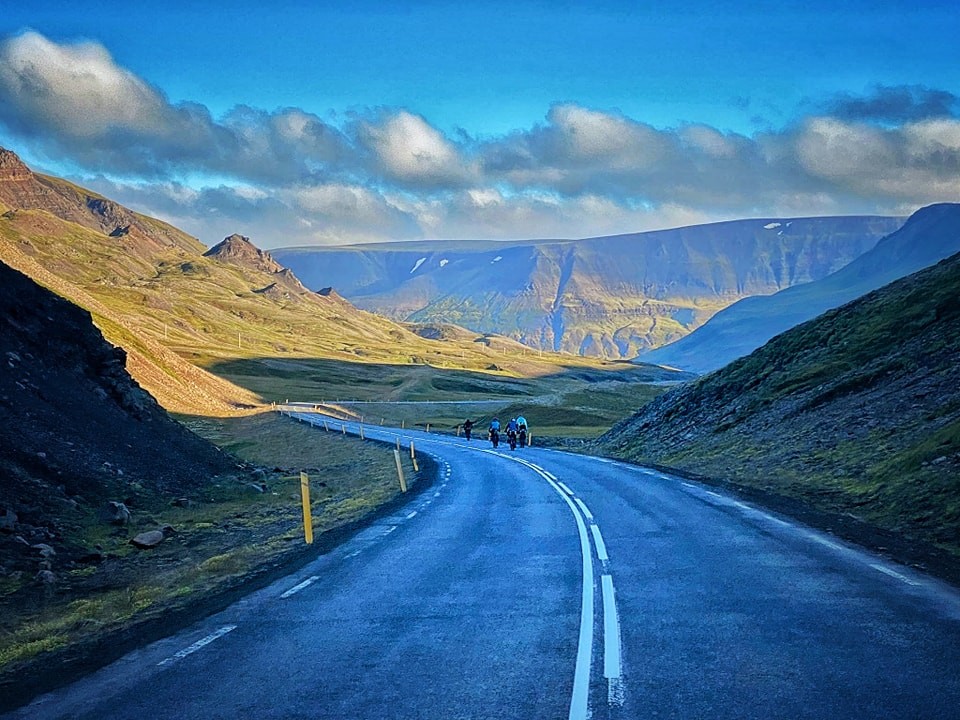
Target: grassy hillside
x=855, y=412
x=180, y=312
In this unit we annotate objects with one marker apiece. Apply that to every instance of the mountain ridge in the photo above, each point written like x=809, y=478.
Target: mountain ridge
x=608, y=296
x=929, y=235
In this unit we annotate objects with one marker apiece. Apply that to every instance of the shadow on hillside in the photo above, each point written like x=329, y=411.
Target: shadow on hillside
x=320, y=379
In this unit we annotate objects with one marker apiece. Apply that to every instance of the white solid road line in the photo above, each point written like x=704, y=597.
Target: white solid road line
x=567, y=490
x=584, y=508
x=411, y=515
x=203, y=642
x=612, y=661
x=580, y=696
x=598, y=541
x=297, y=588
x=894, y=574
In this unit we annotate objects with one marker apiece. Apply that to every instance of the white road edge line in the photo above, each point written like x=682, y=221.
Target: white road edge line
x=300, y=586
x=894, y=574
x=412, y=515
x=598, y=541
x=612, y=665
x=201, y=643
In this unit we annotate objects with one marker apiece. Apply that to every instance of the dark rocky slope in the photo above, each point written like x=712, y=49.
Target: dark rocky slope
x=76, y=431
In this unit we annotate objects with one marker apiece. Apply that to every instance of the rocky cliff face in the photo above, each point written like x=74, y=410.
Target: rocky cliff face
x=76, y=431
x=609, y=297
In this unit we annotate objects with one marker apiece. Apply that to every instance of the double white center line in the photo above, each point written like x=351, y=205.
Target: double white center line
x=612, y=654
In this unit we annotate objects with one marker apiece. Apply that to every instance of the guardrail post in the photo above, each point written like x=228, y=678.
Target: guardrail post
x=413, y=453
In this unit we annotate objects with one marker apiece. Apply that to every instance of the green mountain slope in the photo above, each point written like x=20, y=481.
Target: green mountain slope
x=608, y=296
x=857, y=411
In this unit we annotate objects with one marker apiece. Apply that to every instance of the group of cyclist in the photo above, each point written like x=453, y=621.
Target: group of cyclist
x=516, y=431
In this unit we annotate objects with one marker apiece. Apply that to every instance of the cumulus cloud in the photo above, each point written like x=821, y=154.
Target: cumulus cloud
x=292, y=177
x=409, y=150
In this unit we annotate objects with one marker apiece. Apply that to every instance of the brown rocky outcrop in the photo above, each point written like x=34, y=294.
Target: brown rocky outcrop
x=23, y=190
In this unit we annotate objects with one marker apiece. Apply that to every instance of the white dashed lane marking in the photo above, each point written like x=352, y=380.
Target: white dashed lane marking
x=203, y=642
x=297, y=588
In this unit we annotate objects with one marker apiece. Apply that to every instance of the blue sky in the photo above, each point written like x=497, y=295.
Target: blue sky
x=305, y=122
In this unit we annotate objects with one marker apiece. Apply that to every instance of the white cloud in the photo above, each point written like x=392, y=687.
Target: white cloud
x=78, y=89
x=291, y=177
x=409, y=149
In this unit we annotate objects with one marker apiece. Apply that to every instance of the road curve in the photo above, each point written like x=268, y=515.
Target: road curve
x=540, y=584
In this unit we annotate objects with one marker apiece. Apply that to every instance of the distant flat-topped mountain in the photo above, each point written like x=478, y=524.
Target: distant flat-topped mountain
x=928, y=236
x=606, y=296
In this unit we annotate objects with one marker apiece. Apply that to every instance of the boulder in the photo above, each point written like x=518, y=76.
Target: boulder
x=148, y=540
x=45, y=550
x=152, y=538
x=46, y=577
x=115, y=513
x=7, y=521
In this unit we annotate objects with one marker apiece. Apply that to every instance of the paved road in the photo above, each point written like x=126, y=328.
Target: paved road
x=538, y=584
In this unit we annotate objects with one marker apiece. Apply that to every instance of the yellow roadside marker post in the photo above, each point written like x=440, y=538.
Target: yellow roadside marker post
x=307, y=517
x=458, y=431
x=361, y=433
x=428, y=427
x=343, y=428
x=413, y=456
x=325, y=426
x=398, y=443
x=403, y=482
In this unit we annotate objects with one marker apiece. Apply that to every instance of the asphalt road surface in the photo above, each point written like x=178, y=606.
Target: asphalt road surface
x=540, y=584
